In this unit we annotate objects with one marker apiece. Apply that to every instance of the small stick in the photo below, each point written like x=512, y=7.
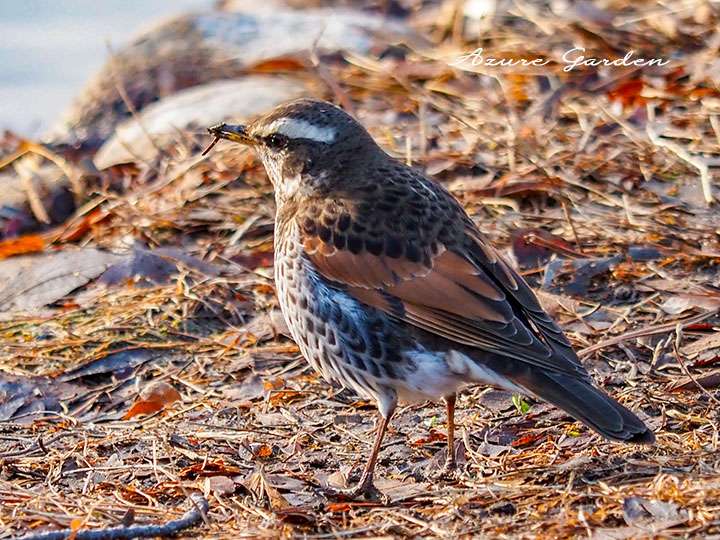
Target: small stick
x=572, y=226
x=33, y=198
x=69, y=171
x=191, y=517
x=715, y=126
x=20, y=152
x=699, y=163
x=122, y=90
x=642, y=332
x=326, y=77
x=678, y=357
x=38, y=444
x=210, y=147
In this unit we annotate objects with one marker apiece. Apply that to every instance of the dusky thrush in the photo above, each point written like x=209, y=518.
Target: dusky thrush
x=390, y=289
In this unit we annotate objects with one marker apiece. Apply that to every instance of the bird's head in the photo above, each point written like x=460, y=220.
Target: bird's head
x=304, y=144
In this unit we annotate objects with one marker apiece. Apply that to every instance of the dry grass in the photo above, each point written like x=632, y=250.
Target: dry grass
x=577, y=155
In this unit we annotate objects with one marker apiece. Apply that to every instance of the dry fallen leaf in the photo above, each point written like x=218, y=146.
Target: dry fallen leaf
x=263, y=451
x=33, y=281
x=684, y=301
x=712, y=380
x=258, y=484
x=154, y=398
x=31, y=243
x=652, y=514
x=338, y=507
x=434, y=436
x=526, y=439
x=207, y=468
x=219, y=485
x=628, y=93
x=284, y=397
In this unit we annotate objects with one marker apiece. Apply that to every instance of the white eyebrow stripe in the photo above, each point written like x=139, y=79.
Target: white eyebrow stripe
x=294, y=128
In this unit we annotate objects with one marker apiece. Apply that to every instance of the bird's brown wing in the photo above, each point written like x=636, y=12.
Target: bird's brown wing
x=438, y=274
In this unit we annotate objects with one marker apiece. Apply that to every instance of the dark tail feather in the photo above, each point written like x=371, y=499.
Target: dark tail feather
x=593, y=407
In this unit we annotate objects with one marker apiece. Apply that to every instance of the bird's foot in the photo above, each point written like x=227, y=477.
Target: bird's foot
x=448, y=472
x=365, y=489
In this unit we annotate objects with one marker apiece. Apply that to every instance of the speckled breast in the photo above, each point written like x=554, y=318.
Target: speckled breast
x=346, y=341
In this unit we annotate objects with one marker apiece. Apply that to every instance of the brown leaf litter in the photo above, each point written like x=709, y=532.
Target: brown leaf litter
x=595, y=179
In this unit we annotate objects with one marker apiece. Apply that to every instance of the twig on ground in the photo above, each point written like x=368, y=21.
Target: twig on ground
x=122, y=91
x=683, y=154
x=676, y=347
x=38, y=444
x=33, y=197
x=191, y=517
x=72, y=173
x=643, y=332
x=568, y=218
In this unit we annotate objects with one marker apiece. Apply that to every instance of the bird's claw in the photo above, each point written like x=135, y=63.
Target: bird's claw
x=366, y=489
x=448, y=472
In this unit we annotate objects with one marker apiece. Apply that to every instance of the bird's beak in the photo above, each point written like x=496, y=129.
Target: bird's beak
x=236, y=133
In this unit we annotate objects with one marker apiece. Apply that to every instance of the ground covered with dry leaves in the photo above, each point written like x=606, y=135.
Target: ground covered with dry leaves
x=142, y=357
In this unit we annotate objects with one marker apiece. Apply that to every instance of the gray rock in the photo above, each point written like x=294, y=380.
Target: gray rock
x=159, y=124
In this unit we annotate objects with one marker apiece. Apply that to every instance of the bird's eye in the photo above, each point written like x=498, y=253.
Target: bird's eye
x=276, y=141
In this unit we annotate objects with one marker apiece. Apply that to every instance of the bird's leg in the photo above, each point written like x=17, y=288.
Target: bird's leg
x=449, y=469
x=450, y=407
x=366, y=486
x=450, y=464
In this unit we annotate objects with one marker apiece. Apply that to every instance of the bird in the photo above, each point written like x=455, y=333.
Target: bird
x=391, y=290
